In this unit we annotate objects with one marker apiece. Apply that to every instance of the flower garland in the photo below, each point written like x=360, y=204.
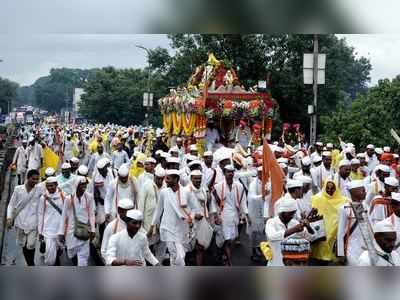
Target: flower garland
x=177, y=123
x=188, y=123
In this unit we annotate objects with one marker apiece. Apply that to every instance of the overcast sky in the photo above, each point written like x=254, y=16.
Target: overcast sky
x=27, y=57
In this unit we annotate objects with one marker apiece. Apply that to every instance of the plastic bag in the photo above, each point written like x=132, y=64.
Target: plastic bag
x=204, y=233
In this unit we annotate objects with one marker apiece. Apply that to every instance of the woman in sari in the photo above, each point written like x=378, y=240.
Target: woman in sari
x=327, y=202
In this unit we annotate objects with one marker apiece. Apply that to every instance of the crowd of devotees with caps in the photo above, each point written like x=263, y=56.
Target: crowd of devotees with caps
x=136, y=197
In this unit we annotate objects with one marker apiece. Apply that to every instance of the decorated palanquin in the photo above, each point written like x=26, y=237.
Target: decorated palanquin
x=213, y=92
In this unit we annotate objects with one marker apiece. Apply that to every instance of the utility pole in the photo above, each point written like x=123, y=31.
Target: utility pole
x=314, y=117
x=149, y=101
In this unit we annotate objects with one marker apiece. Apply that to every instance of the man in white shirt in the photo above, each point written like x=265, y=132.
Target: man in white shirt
x=212, y=136
x=116, y=225
x=174, y=218
x=380, y=207
x=350, y=242
x=49, y=218
x=371, y=158
x=78, y=207
x=119, y=157
x=376, y=186
x=285, y=225
x=229, y=202
x=121, y=187
x=384, y=244
x=68, y=148
x=148, y=174
x=95, y=157
x=342, y=178
x=22, y=213
x=130, y=246
x=35, y=155
x=20, y=161
x=321, y=173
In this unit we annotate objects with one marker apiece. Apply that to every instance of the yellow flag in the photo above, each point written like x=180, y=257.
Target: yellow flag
x=50, y=160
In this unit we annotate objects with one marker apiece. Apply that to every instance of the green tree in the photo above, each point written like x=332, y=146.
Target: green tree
x=369, y=118
x=116, y=96
x=8, y=94
x=55, y=92
x=281, y=55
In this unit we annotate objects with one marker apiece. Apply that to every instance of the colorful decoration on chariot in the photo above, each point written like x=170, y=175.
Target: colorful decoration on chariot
x=291, y=133
x=212, y=91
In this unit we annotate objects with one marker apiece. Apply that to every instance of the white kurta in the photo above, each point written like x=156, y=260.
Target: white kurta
x=256, y=206
x=275, y=231
x=49, y=220
x=27, y=219
x=112, y=228
x=375, y=188
x=94, y=159
x=122, y=246
x=35, y=154
x=117, y=191
x=103, y=184
x=319, y=175
x=234, y=203
x=145, y=176
x=379, y=211
x=394, y=258
x=118, y=158
x=355, y=241
x=20, y=159
x=84, y=213
x=170, y=216
x=148, y=199
x=68, y=150
x=342, y=184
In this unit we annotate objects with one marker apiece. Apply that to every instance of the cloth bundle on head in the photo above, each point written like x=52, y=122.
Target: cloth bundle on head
x=386, y=149
x=296, y=249
x=134, y=214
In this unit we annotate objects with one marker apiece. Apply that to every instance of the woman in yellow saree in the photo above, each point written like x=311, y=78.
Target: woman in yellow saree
x=327, y=202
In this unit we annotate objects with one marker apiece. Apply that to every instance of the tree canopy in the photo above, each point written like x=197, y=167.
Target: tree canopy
x=369, y=118
x=8, y=93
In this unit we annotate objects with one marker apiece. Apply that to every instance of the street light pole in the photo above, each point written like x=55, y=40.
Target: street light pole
x=148, y=84
x=314, y=117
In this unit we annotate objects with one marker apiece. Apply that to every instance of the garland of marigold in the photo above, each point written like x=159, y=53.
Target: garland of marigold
x=177, y=123
x=188, y=126
x=167, y=122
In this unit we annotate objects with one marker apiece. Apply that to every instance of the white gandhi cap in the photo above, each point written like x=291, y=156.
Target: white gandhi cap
x=287, y=205
x=384, y=226
x=134, y=214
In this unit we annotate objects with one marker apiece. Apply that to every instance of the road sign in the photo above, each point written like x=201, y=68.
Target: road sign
x=308, y=68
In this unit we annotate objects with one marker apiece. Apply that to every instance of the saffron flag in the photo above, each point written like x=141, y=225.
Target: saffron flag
x=273, y=172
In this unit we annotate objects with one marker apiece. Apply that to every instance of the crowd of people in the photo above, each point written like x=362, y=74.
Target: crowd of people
x=141, y=198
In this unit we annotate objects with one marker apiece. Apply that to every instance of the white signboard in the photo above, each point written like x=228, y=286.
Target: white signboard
x=308, y=68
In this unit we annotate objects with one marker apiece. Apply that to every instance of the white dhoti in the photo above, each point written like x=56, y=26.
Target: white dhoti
x=82, y=252
x=26, y=239
x=52, y=247
x=177, y=253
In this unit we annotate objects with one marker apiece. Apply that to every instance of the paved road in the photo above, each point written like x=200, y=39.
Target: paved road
x=12, y=255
